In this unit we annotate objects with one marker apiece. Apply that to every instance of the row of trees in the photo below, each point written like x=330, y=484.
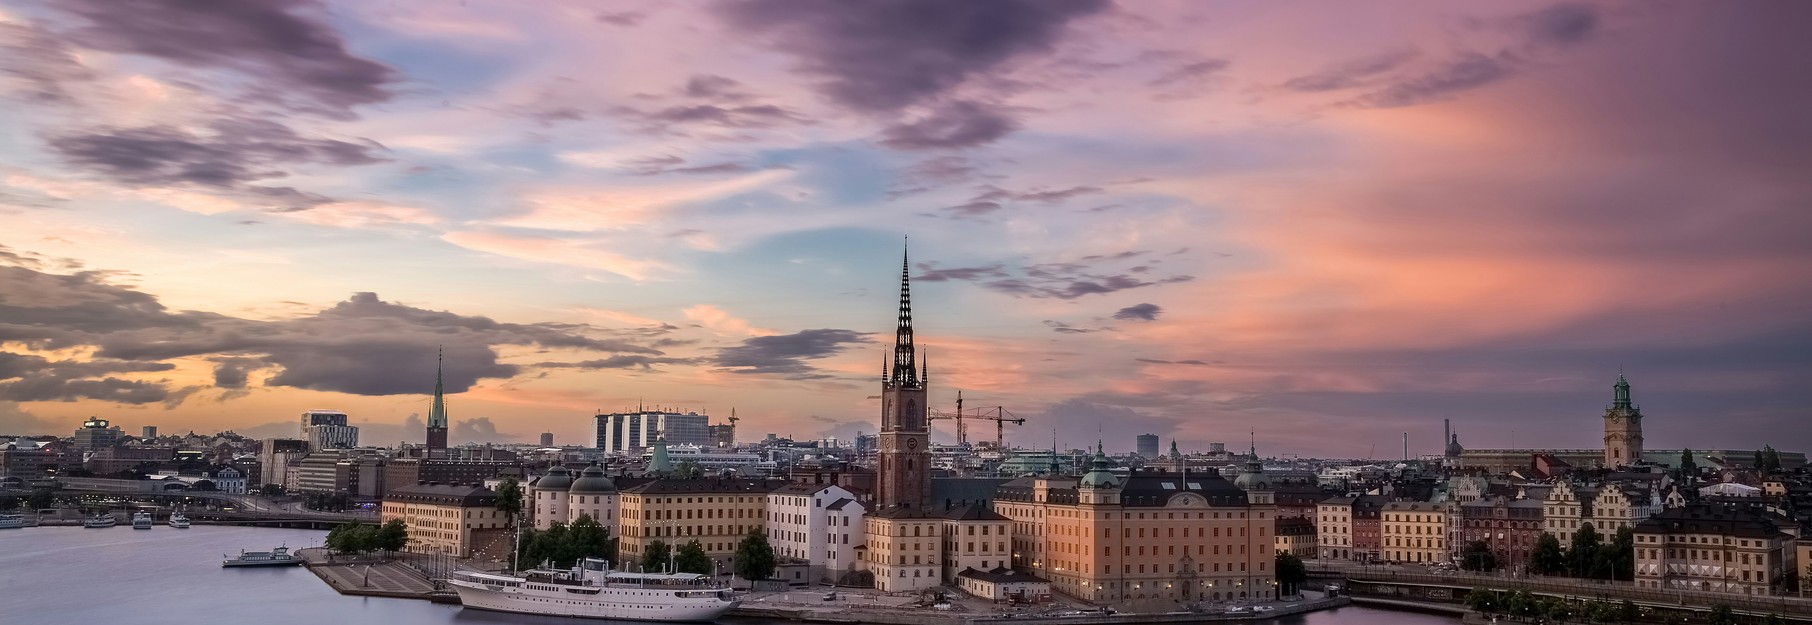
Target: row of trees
x=562, y=545
x=358, y=538
x=1588, y=556
x=1523, y=604
x=37, y=500
x=754, y=557
x=329, y=502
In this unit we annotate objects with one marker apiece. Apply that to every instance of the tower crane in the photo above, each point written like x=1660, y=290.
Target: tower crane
x=999, y=415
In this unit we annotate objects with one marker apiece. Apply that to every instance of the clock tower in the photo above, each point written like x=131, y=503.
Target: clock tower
x=1622, y=428
x=903, y=477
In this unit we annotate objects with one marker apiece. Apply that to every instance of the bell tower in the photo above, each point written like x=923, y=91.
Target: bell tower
x=903, y=477
x=1622, y=427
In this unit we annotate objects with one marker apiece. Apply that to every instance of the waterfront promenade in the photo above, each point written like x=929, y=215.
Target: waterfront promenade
x=1456, y=584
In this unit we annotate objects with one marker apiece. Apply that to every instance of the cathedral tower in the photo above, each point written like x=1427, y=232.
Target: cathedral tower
x=903, y=477
x=437, y=416
x=1622, y=428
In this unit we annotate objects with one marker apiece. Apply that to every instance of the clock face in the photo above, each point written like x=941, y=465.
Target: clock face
x=912, y=443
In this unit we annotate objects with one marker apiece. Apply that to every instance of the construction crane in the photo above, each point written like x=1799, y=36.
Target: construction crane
x=999, y=415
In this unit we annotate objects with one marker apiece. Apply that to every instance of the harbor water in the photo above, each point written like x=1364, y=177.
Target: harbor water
x=76, y=576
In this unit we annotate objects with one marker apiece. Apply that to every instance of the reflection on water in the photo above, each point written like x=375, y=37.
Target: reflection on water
x=77, y=576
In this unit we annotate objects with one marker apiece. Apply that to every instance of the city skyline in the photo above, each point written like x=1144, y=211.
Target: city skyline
x=1163, y=217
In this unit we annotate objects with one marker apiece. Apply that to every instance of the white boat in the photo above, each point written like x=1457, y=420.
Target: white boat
x=179, y=520
x=275, y=557
x=142, y=521
x=9, y=521
x=100, y=520
x=591, y=590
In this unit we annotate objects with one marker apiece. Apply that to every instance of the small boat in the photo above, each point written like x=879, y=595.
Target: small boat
x=100, y=520
x=275, y=557
x=9, y=521
x=179, y=520
x=142, y=520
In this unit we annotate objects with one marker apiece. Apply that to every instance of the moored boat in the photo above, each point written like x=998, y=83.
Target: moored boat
x=100, y=521
x=9, y=521
x=179, y=520
x=142, y=520
x=275, y=557
x=591, y=590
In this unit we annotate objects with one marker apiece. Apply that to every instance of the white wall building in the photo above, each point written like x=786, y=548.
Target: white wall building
x=321, y=437
x=820, y=524
x=621, y=432
x=559, y=497
x=229, y=480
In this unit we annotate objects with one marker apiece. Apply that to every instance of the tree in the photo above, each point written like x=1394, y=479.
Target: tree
x=1582, y=555
x=271, y=490
x=1771, y=459
x=1290, y=573
x=393, y=536
x=754, y=556
x=1546, y=558
x=1620, y=559
x=656, y=556
x=9, y=503
x=354, y=537
x=584, y=538
x=1627, y=611
x=509, y=499
x=1688, y=469
x=1481, y=600
x=1721, y=615
x=691, y=558
x=1478, y=557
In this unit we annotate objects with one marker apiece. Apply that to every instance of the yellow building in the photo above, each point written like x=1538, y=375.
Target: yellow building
x=1416, y=531
x=445, y=518
x=1712, y=548
x=1334, y=528
x=716, y=512
x=1148, y=535
x=904, y=548
x=975, y=538
x=1295, y=536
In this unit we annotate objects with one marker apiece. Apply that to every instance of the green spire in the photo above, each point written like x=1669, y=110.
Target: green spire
x=437, y=412
x=660, y=463
x=1173, y=449
x=1621, y=396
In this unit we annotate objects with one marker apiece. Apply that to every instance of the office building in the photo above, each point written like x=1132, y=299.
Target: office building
x=1715, y=548
x=97, y=433
x=1148, y=446
x=275, y=457
x=327, y=436
x=316, y=417
x=622, y=432
x=717, y=513
x=547, y=439
x=453, y=519
x=148, y=432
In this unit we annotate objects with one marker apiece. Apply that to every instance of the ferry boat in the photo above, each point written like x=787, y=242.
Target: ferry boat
x=9, y=521
x=179, y=520
x=275, y=557
x=591, y=590
x=99, y=521
x=142, y=520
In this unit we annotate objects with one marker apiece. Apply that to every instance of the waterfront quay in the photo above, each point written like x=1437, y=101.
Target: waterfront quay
x=1414, y=587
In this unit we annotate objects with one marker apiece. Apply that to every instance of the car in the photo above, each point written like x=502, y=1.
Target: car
x=830, y=596
x=1238, y=609
x=1263, y=608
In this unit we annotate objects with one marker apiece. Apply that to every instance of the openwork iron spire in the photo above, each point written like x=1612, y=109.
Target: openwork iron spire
x=437, y=412
x=905, y=373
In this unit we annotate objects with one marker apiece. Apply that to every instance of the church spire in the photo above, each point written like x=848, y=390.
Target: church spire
x=905, y=371
x=437, y=412
x=1621, y=394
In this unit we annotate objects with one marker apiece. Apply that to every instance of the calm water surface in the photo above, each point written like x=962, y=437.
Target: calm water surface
x=76, y=576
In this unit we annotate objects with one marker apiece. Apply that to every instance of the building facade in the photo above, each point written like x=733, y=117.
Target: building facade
x=1509, y=527
x=328, y=436
x=819, y=524
x=1295, y=536
x=452, y=519
x=976, y=538
x=1147, y=535
x=275, y=455
x=903, y=547
x=717, y=512
x=1334, y=528
x=97, y=433
x=623, y=432
x=1415, y=531
x=1713, y=548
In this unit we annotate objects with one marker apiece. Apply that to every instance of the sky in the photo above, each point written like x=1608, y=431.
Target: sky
x=1317, y=225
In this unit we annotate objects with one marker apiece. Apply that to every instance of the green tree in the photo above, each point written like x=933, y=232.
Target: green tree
x=1627, y=611
x=691, y=558
x=586, y=538
x=525, y=543
x=1547, y=558
x=1478, y=557
x=392, y=537
x=656, y=556
x=40, y=499
x=550, y=545
x=354, y=538
x=1771, y=459
x=1620, y=559
x=9, y=503
x=754, y=556
x=1582, y=555
x=1482, y=600
x=1688, y=468
x=509, y=499
x=1291, y=573
x=1721, y=615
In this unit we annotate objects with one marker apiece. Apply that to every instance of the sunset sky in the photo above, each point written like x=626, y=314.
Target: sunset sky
x=1330, y=222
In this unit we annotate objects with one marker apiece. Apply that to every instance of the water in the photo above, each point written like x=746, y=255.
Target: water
x=76, y=576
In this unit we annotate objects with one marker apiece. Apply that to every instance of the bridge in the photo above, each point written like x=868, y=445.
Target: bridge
x=248, y=509
x=1435, y=589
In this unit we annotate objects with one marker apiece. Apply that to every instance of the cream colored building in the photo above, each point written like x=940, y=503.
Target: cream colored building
x=1003, y=584
x=445, y=518
x=1416, y=531
x=1712, y=548
x=1148, y=535
x=904, y=549
x=1334, y=528
x=1609, y=507
x=558, y=497
x=1295, y=536
x=975, y=538
x=717, y=512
